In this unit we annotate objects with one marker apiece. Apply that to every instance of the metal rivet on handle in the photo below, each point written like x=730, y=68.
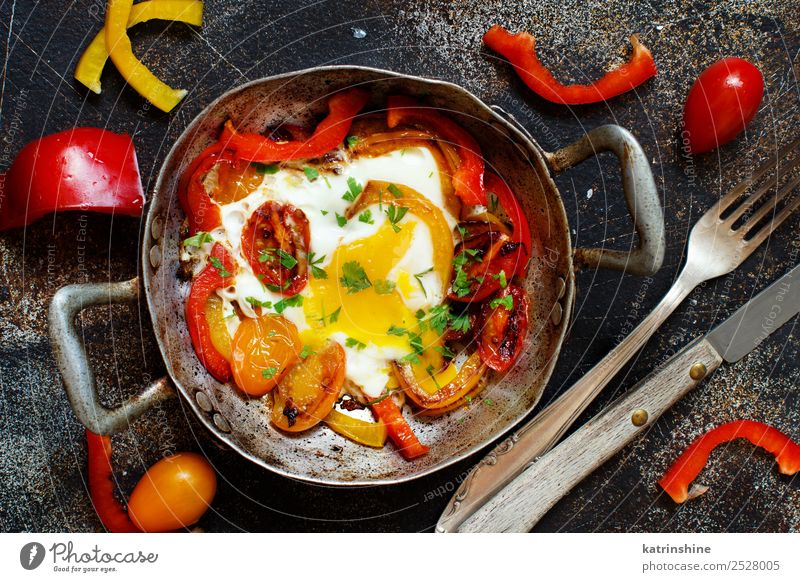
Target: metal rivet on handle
x=203, y=401
x=639, y=417
x=157, y=228
x=221, y=423
x=155, y=256
x=697, y=371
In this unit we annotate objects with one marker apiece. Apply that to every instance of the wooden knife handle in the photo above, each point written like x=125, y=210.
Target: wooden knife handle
x=520, y=504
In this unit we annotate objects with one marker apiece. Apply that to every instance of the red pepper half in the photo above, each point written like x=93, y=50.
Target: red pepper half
x=209, y=280
x=400, y=431
x=86, y=169
x=505, y=197
x=331, y=131
x=468, y=178
x=686, y=467
x=520, y=50
x=101, y=488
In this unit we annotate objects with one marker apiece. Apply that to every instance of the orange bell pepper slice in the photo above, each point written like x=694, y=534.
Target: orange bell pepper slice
x=134, y=71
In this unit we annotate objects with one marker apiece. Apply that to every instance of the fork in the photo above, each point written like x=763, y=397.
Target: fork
x=717, y=245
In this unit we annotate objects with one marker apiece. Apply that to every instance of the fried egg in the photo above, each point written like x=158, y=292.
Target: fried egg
x=397, y=258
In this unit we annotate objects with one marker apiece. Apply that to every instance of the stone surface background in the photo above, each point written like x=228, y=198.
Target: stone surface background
x=42, y=451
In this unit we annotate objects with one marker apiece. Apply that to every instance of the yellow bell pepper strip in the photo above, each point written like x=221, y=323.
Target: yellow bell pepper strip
x=467, y=379
x=90, y=66
x=135, y=73
x=218, y=329
x=377, y=192
x=371, y=434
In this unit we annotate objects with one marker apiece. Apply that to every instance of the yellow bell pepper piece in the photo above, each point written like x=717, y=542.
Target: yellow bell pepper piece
x=220, y=338
x=135, y=73
x=372, y=434
x=90, y=66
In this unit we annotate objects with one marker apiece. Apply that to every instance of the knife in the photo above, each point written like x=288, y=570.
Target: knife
x=519, y=505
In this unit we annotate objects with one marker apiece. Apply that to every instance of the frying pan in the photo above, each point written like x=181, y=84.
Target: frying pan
x=319, y=455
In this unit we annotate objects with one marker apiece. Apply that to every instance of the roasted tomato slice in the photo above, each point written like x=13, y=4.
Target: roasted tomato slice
x=309, y=391
x=263, y=350
x=504, y=325
x=484, y=262
x=275, y=243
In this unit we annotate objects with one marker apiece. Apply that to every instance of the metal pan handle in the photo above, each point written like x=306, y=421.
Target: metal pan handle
x=640, y=193
x=73, y=362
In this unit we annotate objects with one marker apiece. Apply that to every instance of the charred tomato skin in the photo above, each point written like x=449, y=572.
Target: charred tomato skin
x=503, y=330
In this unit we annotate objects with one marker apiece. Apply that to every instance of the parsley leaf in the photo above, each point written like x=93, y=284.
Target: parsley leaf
x=354, y=189
x=366, y=217
x=268, y=373
x=198, y=240
x=354, y=343
x=217, y=264
x=438, y=317
x=340, y=220
x=335, y=315
x=445, y=351
x=394, y=330
x=502, y=277
x=267, y=255
x=352, y=140
x=323, y=212
x=493, y=201
x=316, y=271
x=396, y=214
x=419, y=276
x=265, y=168
x=507, y=302
x=384, y=286
x=460, y=322
x=354, y=277
x=311, y=173
x=258, y=303
x=394, y=191
x=287, y=260
x=306, y=351
x=294, y=301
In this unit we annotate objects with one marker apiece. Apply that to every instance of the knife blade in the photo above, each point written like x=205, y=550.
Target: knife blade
x=526, y=498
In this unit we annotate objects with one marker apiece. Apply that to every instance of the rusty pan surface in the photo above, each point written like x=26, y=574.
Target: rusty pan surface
x=319, y=455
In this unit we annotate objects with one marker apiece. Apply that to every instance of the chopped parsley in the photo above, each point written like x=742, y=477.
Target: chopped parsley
x=461, y=282
x=384, y=286
x=460, y=322
x=396, y=214
x=366, y=217
x=501, y=276
x=294, y=301
x=265, y=168
x=267, y=254
x=277, y=288
x=354, y=343
x=461, y=230
x=217, y=264
x=445, y=351
x=438, y=317
x=316, y=271
x=394, y=191
x=335, y=315
x=258, y=303
x=352, y=140
x=354, y=277
x=287, y=260
x=430, y=370
x=323, y=212
x=419, y=276
x=488, y=402
x=353, y=190
x=311, y=173
x=395, y=330
x=340, y=220
x=493, y=202
x=306, y=351
x=507, y=302
x=268, y=373
x=198, y=240
x=327, y=183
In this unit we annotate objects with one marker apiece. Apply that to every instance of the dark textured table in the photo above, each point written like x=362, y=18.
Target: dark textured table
x=42, y=455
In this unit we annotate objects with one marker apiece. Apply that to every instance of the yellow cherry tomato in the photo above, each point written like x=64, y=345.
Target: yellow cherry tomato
x=172, y=494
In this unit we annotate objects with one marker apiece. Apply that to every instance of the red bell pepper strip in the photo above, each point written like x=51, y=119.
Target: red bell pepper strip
x=209, y=280
x=203, y=213
x=468, y=178
x=186, y=177
x=686, y=467
x=101, y=488
x=508, y=202
x=400, y=431
x=520, y=50
x=331, y=131
x=86, y=169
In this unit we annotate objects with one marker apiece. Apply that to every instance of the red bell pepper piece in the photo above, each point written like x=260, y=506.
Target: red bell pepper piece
x=188, y=173
x=468, y=178
x=209, y=280
x=101, y=488
x=203, y=213
x=521, y=229
x=686, y=467
x=520, y=50
x=86, y=168
x=331, y=131
x=399, y=430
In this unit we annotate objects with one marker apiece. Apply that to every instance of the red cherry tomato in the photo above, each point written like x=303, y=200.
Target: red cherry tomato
x=722, y=101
